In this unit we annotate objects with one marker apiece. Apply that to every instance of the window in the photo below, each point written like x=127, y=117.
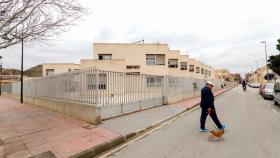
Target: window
x=105, y=56
x=150, y=59
x=202, y=71
x=133, y=66
x=154, y=81
x=206, y=72
x=184, y=66
x=209, y=73
x=191, y=67
x=197, y=70
x=133, y=73
x=92, y=80
x=155, y=59
x=49, y=72
x=69, y=70
x=172, y=63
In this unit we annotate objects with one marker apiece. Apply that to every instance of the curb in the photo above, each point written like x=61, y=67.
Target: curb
x=94, y=151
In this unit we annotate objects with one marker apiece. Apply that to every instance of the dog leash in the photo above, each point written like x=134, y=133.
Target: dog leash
x=213, y=124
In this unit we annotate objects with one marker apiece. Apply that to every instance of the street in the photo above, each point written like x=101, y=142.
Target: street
x=253, y=130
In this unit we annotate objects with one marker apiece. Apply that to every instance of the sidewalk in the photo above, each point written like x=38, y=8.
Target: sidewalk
x=139, y=121
x=27, y=130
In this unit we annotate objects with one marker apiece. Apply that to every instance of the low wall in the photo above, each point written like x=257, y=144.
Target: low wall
x=172, y=99
x=82, y=111
x=94, y=114
x=107, y=112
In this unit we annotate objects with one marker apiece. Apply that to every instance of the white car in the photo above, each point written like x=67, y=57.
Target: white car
x=268, y=91
x=277, y=93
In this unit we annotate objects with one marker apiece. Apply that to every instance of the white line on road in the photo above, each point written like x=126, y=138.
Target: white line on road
x=145, y=134
x=273, y=110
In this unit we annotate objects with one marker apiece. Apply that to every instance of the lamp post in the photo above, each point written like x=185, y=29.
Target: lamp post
x=1, y=75
x=257, y=71
x=21, y=73
x=266, y=59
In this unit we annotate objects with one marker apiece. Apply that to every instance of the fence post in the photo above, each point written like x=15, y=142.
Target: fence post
x=164, y=90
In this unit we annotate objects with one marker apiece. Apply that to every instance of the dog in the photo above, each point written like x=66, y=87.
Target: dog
x=216, y=134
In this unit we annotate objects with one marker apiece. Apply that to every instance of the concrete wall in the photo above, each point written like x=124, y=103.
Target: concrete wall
x=93, y=114
x=171, y=99
x=82, y=111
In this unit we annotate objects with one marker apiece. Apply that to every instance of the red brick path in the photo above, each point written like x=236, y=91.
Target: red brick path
x=27, y=130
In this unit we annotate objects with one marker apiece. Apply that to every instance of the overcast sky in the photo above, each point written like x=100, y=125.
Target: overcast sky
x=221, y=33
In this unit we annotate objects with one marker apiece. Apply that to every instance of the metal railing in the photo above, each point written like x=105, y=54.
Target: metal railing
x=107, y=88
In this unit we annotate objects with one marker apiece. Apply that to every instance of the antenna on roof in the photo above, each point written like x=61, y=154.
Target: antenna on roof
x=139, y=42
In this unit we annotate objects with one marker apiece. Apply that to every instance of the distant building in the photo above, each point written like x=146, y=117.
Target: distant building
x=224, y=74
x=153, y=59
x=260, y=75
x=237, y=77
x=57, y=68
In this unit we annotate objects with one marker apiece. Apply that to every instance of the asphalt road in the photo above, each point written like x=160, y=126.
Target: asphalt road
x=253, y=130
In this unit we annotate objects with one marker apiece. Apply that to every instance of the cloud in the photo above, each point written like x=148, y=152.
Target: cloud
x=68, y=51
x=224, y=34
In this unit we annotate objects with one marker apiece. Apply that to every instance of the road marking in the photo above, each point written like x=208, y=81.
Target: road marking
x=273, y=110
x=146, y=134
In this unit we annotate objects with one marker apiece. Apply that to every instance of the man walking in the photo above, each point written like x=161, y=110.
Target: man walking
x=207, y=107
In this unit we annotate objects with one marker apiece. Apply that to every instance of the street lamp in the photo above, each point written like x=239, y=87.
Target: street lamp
x=266, y=59
x=21, y=73
x=1, y=75
x=257, y=70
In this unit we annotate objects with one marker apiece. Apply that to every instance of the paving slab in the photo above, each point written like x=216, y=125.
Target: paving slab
x=141, y=120
x=27, y=130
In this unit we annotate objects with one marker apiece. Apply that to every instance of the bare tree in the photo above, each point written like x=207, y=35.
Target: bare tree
x=36, y=19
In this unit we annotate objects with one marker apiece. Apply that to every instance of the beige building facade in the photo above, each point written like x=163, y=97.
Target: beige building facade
x=151, y=59
x=258, y=76
x=58, y=68
x=224, y=74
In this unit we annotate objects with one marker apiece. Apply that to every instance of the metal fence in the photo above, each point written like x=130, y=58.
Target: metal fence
x=107, y=88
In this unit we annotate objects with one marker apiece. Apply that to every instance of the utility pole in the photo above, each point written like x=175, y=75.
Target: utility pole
x=21, y=74
x=1, y=75
x=258, y=74
x=266, y=59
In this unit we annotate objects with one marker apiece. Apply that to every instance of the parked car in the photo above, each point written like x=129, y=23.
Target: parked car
x=261, y=89
x=277, y=93
x=268, y=91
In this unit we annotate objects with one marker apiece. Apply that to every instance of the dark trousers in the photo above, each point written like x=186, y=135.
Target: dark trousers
x=213, y=115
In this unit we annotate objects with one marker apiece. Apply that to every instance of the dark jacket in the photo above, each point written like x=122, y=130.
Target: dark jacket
x=207, y=98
